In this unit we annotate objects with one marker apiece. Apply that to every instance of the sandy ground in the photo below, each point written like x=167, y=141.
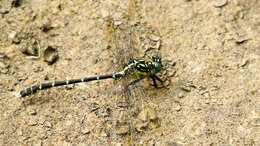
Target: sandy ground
x=211, y=55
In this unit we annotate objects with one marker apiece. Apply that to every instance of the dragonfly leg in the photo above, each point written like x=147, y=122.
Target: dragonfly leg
x=154, y=81
x=154, y=77
x=135, y=81
x=157, y=78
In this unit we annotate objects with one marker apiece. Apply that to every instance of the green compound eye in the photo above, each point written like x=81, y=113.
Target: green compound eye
x=158, y=66
x=157, y=63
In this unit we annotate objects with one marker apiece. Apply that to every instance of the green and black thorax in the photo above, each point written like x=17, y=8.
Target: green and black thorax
x=141, y=68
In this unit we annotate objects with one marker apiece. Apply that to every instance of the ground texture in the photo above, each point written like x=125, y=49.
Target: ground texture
x=211, y=51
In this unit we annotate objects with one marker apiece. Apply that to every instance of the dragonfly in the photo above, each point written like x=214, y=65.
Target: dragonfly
x=135, y=68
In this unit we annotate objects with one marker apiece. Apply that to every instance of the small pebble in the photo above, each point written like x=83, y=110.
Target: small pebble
x=37, y=143
x=19, y=132
x=244, y=63
x=118, y=22
x=47, y=124
x=2, y=55
x=180, y=95
x=86, y=131
x=153, y=125
x=119, y=144
x=32, y=123
x=143, y=115
x=158, y=45
x=33, y=112
x=171, y=73
x=166, y=83
x=140, y=127
x=122, y=130
x=147, y=114
x=43, y=136
x=151, y=114
x=220, y=3
x=12, y=35
x=177, y=107
x=50, y=55
x=241, y=40
x=103, y=134
x=154, y=37
x=186, y=88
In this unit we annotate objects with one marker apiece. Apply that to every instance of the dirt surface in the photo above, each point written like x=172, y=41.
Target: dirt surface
x=211, y=55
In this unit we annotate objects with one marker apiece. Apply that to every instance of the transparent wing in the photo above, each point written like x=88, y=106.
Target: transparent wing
x=125, y=38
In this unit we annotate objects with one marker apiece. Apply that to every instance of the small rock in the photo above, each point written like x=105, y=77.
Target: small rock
x=151, y=114
x=31, y=50
x=151, y=142
x=241, y=40
x=185, y=88
x=166, y=83
x=171, y=73
x=172, y=63
x=32, y=112
x=43, y=136
x=104, y=13
x=19, y=132
x=37, y=143
x=119, y=144
x=122, y=130
x=219, y=3
x=117, y=22
x=153, y=125
x=69, y=122
x=177, y=107
x=140, y=127
x=244, y=63
x=2, y=55
x=3, y=68
x=32, y=123
x=158, y=45
x=180, y=95
x=50, y=55
x=103, y=134
x=154, y=37
x=47, y=124
x=12, y=35
x=173, y=143
x=86, y=131
x=143, y=115
x=16, y=3
x=49, y=133
x=17, y=112
x=147, y=114
x=41, y=120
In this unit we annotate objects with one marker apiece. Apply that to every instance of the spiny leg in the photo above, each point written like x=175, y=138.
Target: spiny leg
x=154, y=78
x=135, y=81
x=154, y=81
x=157, y=78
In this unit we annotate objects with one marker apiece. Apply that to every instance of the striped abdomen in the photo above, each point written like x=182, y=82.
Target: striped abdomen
x=36, y=88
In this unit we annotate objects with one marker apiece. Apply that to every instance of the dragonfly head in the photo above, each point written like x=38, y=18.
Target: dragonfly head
x=157, y=63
